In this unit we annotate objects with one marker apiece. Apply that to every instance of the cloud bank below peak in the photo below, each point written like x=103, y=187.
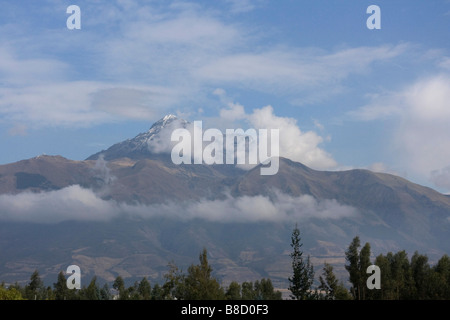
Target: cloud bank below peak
x=77, y=204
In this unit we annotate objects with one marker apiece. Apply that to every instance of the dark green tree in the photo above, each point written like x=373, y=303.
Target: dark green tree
x=233, y=291
x=420, y=272
x=264, y=290
x=60, y=288
x=352, y=258
x=157, y=292
x=300, y=284
x=92, y=292
x=105, y=294
x=387, y=291
x=144, y=289
x=248, y=293
x=133, y=292
x=364, y=263
x=199, y=283
x=402, y=276
x=35, y=289
x=442, y=270
x=331, y=287
x=119, y=285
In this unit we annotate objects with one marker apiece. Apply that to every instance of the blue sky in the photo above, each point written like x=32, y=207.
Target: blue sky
x=344, y=96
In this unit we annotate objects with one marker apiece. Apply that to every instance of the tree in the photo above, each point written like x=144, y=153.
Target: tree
x=328, y=283
x=105, y=293
x=364, y=263
x=119, y=285
x=174, y=286
x=233, y=291
x=157, y=292
x=60, y=287
x=264, y=290
x=303, y=272
x=92, y=292
x=144, y=289
x=133, y=292
x=10, y=294
x=35, y=289
x=247, y=291
x=420, y=271
x=199, y=284
x=387, y=291
x=442, y=270
x=330, y=286
x=402, y=277
x=352, y=257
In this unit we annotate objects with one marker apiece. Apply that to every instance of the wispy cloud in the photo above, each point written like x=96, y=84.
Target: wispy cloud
x=159, y=58
x=288, y=70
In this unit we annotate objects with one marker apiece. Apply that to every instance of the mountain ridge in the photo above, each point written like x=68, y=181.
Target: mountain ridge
x=332, y=207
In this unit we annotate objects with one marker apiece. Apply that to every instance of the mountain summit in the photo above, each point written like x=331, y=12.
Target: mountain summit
x=153, y=142
x=155, y=211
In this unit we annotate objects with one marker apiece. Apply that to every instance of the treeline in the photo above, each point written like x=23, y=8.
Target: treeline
x=197, y=284
x=400, y=279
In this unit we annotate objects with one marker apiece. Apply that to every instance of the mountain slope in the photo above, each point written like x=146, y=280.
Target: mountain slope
x=331, y=208
x=144, y=144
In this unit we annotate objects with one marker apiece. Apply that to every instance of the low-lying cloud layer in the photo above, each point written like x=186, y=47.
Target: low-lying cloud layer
x=76, y=203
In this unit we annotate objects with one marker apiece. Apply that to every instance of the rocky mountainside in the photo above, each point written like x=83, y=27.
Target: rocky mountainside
x=145, y=144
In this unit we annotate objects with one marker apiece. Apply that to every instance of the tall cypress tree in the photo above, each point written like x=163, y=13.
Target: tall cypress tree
x=364, y=263
x=303, y=272
x=352, y=257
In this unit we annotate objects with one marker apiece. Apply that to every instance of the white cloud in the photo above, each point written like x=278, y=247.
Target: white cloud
x=234, y=111
x=65, y=104
x=289, y=70
x=16, y=71
x=71, y=203
x=78, y=204
x=294, y=144
x=83, y=103
x=422, y=137
x=157, y=57
x=441, y=178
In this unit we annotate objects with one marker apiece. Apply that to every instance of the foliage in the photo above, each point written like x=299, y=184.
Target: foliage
x=10, y=294
x=330, y=287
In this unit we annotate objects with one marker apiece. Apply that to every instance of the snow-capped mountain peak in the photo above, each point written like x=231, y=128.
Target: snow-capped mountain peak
x=154, y=141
